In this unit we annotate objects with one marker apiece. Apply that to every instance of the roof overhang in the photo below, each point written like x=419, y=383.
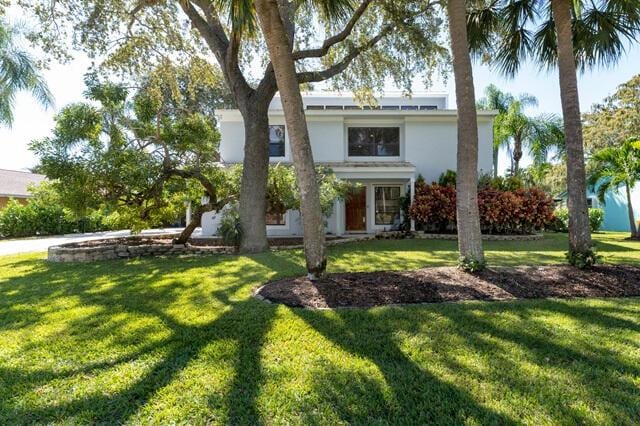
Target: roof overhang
x=409, y=115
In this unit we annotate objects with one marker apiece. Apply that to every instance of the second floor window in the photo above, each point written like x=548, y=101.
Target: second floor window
x=374, y=142
x=276, y=140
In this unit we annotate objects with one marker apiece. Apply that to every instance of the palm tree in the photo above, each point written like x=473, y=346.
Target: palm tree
x=496, y=99
x=18, y=72
x=546, y=138
x=569, y=34
x=614, y=167
x=538, y=134
x=468, y=217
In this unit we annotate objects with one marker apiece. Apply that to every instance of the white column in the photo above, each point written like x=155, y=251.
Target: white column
x=412, y=190
x=339, y=217
x=188, y=216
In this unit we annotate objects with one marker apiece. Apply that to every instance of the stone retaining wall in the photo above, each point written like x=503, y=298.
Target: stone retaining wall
x=69, y=253
x=124, y=251
x=486, y=237
x=398, y=235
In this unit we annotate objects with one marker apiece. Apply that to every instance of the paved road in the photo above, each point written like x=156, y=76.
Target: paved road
x=26, y=245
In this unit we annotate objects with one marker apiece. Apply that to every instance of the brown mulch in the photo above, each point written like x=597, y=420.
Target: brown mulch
x=448, y=284
x=168, y=240
x=130, y=241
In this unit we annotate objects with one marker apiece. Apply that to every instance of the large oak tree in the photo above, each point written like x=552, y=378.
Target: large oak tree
x=374, y=41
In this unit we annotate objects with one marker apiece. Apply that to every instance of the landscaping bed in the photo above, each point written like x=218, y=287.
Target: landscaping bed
x=138, y=246
x=449, y=284
x=167, y=239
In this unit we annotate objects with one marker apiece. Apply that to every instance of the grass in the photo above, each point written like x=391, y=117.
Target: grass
x=181, y=340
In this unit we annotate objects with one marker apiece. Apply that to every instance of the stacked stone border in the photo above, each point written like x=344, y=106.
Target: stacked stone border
x=486, y=237
x=68, y=253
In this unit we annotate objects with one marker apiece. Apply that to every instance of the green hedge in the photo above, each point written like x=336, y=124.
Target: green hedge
x=36, y=218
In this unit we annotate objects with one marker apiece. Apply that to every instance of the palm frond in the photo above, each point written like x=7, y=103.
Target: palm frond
x=18, y=72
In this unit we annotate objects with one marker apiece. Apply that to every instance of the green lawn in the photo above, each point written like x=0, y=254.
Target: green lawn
x=181, y=340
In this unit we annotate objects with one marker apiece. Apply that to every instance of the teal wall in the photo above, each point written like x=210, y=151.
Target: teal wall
x=616, y=216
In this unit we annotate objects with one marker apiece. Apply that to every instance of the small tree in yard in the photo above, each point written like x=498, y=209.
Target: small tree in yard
x=142, y=155
x=615, y=167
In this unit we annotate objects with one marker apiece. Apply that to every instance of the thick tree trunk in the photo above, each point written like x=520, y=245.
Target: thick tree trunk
x=253, y=194
x=279, y=46
x=579, y=232
x=196, y=217
x=469, y=235
x=632, y=218
x=517, y=155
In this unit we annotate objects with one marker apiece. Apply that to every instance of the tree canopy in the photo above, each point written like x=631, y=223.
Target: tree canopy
x=19, y=71
x=136, y=152
x=617, y=167
x=616, y=119
x=508, y=33
x=361, y=45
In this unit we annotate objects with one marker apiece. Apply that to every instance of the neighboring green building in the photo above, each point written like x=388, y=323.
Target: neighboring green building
x=616, y=213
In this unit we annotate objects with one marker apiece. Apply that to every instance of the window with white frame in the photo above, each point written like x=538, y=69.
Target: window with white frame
x=374, y=142
x=276, y=219
x=387, y=205
x=276, y=140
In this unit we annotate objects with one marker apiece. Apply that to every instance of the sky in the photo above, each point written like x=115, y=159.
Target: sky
x=66, y=83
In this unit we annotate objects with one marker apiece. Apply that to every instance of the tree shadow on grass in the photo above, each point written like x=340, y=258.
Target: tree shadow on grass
x=417, y=396
x=131, y=291
x=597, y=369
x=503, y=353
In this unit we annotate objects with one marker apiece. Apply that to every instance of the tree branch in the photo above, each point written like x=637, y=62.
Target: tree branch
x=331, y=41
x=316, y=76
x=214, y=36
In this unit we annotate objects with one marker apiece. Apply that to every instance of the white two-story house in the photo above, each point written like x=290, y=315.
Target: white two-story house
x=384, y=148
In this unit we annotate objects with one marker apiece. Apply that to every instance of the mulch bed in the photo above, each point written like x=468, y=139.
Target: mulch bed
x=449, y=284
x=167, y=239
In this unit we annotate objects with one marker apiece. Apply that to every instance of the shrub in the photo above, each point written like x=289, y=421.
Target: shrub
x=38, y=218
x=501, y=212
x=583, y=260
x=229, y=228
x=596, y=217
x=434, y=207
x=471, y=265
x=447, y=178
x=561, y=219
x=507, y=183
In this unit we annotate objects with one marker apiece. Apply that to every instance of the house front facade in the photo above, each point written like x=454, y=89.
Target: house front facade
x=383, y=148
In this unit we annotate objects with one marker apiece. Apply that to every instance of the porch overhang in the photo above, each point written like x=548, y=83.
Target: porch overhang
x=372, y=170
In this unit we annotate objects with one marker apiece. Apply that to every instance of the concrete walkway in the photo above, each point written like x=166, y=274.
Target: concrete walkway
x=26, y=245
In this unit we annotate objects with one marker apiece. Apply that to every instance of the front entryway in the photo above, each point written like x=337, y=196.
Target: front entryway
x=356, y=210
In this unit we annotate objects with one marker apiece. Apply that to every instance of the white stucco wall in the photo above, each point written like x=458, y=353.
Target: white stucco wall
x=428, y=140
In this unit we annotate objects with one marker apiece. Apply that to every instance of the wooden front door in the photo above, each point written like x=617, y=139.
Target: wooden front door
x=356, y=210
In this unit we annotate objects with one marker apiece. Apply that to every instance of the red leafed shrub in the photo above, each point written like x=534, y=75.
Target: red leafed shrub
x=434, y=207
x=501, y=212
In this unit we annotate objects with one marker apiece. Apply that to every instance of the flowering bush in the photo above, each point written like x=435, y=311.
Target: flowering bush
x=434, y=207
x=518, y=211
